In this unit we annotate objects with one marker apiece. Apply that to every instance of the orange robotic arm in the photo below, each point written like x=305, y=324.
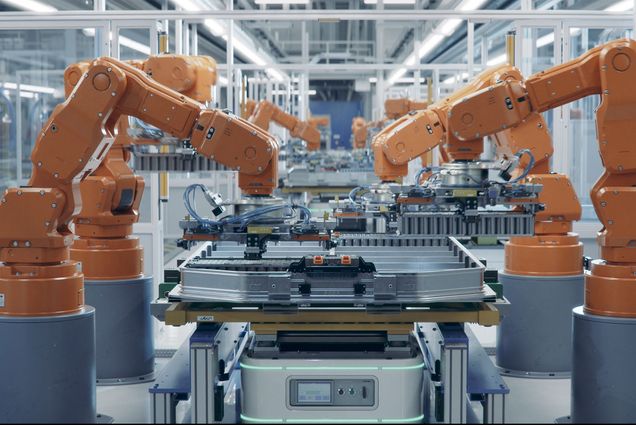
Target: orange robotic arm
x=72, y=144
x=608, y=71
x=321, y=121
x=396, y=108
x=359, y=131
x=400, y=142
x=266, y=111
x=34, y=220
x=112, y=193
x=248, y=110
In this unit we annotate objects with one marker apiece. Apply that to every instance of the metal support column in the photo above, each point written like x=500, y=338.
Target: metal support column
x=470, y=48
x=494, y=409
x=454, y=372
x=164, y=408
x=446, y=347
x=378, y=110
x=230, y=60
x=213, y=345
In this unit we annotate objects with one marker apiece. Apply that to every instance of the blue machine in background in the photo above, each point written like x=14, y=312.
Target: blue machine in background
x=340, y=113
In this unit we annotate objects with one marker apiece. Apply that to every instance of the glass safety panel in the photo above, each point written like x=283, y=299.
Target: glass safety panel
x=585, y=162
x=32, y=64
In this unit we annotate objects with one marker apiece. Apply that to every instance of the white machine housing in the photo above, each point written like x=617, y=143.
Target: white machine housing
x=271, y=390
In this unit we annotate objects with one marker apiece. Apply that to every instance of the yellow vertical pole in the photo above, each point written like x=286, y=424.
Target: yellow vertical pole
x=164, y=183
x=510, y=47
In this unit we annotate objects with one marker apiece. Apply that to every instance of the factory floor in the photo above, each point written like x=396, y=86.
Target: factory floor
x=530, y=400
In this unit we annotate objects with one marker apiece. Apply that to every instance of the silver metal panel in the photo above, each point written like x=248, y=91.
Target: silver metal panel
x=436, y=273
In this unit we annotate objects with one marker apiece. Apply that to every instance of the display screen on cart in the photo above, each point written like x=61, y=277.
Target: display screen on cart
x=314, y=392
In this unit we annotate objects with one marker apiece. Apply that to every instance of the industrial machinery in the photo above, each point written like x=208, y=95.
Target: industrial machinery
x=362, y=130
x=398, y=107
x=524, y=150
x=110, y=203
x=604, y=327
x=334, y=334
x=327, y=173
x=460, y=197
x=266, y=112
x=48, y=332
x=393, y=109
x=359, y=133
x=253, y=229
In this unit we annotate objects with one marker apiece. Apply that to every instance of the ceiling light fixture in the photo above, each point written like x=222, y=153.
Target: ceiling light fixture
x=29, y=88
x=265, y=2
x=444, y=29
x=390, y=2
x=31, y=5
x=240, y=41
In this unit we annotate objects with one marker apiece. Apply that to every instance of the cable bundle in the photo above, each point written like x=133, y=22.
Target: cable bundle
x=243, y=220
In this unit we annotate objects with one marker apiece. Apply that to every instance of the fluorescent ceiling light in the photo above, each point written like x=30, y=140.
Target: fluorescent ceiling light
x=448, y=26
x=497, y=60
x=215, y=27
x=410, y=61
x=29, y=88
x=310, y=92
x=31, y=5
x=410, y=80
x=445, y=28
x=396, y=76
x=390, y=2
x=124, y=41
x=456, y=78
x=275, y=74
x=281, y=1
x=471, y=4
x=36, y=6
x=135, y=45
x=621, y=6
x=240, y=41
x=431, y=42
x=26, y=94
x=247, y=51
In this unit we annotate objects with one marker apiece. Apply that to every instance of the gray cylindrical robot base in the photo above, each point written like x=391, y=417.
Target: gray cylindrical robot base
x=47, y=368
x=603, y=374
x=125, y=346
x=534, y=337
